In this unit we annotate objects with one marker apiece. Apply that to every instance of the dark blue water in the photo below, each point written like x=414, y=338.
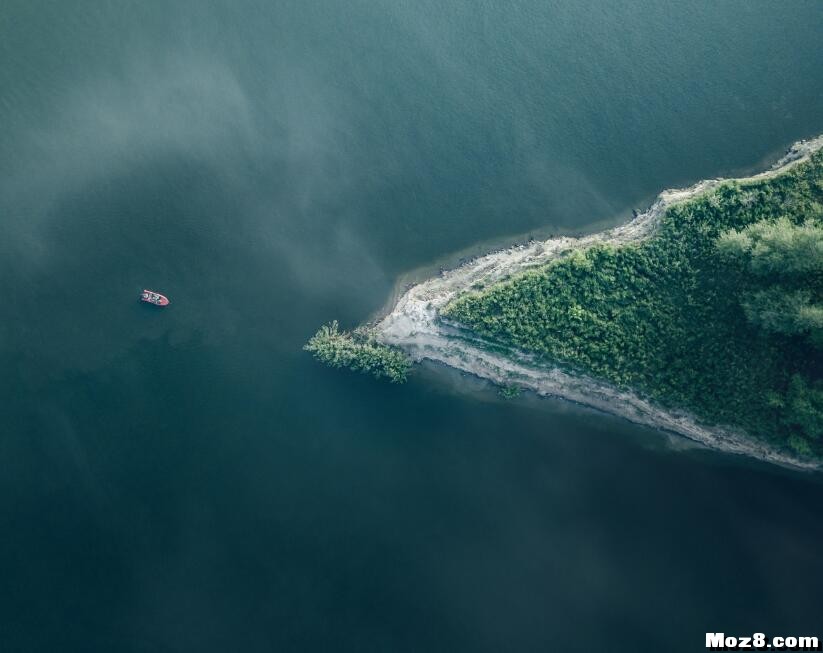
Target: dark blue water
x=190, y=480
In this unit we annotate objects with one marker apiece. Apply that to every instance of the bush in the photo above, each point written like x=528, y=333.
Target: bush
x=358, y=351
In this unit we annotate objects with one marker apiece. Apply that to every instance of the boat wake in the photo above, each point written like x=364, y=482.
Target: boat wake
x=415, y=325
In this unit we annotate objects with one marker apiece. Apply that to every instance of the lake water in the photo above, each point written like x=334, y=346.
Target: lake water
x=189, y=480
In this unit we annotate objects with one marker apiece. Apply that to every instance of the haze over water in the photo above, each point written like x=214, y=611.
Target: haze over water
x=190, y=480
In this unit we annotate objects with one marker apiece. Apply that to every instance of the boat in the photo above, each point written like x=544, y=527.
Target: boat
x=151, y=297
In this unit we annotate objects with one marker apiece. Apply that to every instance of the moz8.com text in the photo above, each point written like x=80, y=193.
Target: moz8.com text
x=760, y=642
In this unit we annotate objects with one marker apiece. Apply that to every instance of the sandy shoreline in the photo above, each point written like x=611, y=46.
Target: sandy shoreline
x=415, y=326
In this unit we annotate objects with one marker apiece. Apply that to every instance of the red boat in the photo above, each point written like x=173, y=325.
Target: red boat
x=155, y=298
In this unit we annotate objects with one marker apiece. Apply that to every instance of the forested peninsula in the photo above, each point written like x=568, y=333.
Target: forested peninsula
x=703, y=316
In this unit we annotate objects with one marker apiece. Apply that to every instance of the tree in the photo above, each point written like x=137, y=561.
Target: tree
x=359, y=351
x=785, y=260
x=804, y=411
x=785, y=311
x=778, y=248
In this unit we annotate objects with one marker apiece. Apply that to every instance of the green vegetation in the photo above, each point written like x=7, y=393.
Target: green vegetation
x=788, y=259
x=359, y=351
x=720, y=312
x=509, y=391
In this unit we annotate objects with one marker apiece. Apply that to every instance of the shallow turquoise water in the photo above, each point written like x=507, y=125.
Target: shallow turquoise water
x=190, y=480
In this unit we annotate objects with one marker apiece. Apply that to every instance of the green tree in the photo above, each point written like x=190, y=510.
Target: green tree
x=804, y=412
x=359, y=351
x=776, y=248
x=780, y=310
x=785, y=260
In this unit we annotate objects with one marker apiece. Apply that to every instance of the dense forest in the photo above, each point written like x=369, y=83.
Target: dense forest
x=719, y=312
x=359, y=351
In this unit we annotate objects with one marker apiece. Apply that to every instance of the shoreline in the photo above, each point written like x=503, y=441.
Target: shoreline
x=414, y=325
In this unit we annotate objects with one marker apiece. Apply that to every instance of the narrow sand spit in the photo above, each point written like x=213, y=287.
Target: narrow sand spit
x=414, y=324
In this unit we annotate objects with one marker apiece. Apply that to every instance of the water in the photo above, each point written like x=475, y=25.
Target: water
x=190, y=480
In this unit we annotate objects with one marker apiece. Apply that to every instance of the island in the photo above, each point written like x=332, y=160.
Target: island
x=701, y=316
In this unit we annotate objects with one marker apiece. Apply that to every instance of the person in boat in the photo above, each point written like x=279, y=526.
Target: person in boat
x=152, y=297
